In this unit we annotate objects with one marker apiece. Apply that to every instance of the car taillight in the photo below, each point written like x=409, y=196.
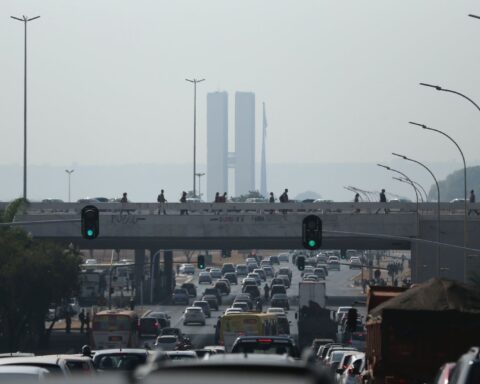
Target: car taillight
x=264, y=340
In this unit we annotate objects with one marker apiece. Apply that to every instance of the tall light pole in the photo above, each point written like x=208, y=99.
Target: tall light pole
x=412, y=184
x=465, y=227
x=416, y=194
x=199, y=175
x=25, y=20
x=69, y=172
x=194, y=81
x=439, y=88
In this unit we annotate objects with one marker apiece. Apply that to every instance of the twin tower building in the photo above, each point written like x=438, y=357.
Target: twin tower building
x=242, y=159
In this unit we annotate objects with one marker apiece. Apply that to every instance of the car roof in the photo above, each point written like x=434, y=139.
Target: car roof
x=120, y=350
x=193, y=309
x=23, y=369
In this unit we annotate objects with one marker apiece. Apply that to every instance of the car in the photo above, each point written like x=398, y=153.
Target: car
x=343, y=365
x=255, y=276
x=181, y=355
x=205, y=307
x=148, y=327
x=251, y=267
x=233, y=310
x=252, y=290
x=268, y=271
x=310, y=277
x=244, y=297
x=222, y=287
x=241, y=270
x=227, y=267
x=249, y=281
x=277, y=281
x=213, y=291
x=279, y=345
x=286, y=280
x=191, y=289
x=320, y=273
x=226, y=281
x=251, y=260
x=333, y=263
x=194, y=315
x=283, y=325
x=265, y=263
x=355, y=263
x=274, y=260
x=308, y=269
x=211, y=300
x=91, y=261
x=285, y=271
x=23, y=374
x=278, y=288
x=167, y=342
x=353, y=373
x=216, y=273
x=324, y=267
x=58, y=365
x=260, y=272
x=280, y=300
x=242, y=305
x=162, y=317
x=180, y=296
x=276, y=311
x=284, y=258
x=204, y=277
x=231, y=277
x=187, y=269
x=124, y=359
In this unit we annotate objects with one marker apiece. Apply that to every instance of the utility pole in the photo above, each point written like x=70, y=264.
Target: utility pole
x=69, y=172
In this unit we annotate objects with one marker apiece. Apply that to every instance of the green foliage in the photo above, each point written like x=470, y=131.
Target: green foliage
x=250, y=194
x=12, y=209
x=32, y=276
x=453, y=186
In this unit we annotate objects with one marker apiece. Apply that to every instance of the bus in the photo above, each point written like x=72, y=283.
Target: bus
x=230, y=326
x=92, y=287
x=115, y=329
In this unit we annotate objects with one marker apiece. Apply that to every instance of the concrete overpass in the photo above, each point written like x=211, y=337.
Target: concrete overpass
x=269, y=226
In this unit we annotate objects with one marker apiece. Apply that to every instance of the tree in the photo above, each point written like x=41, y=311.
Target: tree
x=33, y=274
x=250, y=194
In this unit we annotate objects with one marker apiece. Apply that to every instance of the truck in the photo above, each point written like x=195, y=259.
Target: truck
x=314, y=320
x=415, y=332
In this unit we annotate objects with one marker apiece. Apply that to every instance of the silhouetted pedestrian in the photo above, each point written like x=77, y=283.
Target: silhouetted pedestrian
x=161, y=199
x=68, y=321
x=272, y=198
x=357, y=198
x=87, y=321
x=472, y=200
x=217, y=198
x=383, y=199
x=284, y=196
x=124, y=198
x=183, y=199
x=81, y=317
x=223, y=198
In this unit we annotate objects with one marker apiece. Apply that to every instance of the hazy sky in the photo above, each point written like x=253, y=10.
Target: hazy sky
x=339, y=78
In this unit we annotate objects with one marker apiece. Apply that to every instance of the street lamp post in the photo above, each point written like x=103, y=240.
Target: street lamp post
x=438, y=198
x=412, y=184
x=25, y=20
x=418, y=217
x=194, y=81
x=199, y=175
x=69, y=172
x=465, y=227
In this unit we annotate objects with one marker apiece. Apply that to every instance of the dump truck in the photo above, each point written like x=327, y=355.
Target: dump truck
x=412, y=334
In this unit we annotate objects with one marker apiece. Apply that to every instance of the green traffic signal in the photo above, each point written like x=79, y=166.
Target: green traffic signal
x=201, y=262
x=89, y=232
x=90, y=223
x=312, y=232
x=312, y=243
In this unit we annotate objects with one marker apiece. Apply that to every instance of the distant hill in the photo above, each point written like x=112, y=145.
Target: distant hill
x=453, y=185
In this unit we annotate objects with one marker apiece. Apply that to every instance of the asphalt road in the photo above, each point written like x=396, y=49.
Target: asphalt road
x=339, y=285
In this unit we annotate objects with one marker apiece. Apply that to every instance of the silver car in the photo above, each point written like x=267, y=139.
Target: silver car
x=194, y=315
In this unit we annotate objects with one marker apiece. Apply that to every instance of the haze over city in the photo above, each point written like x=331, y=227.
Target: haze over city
x=340, y=81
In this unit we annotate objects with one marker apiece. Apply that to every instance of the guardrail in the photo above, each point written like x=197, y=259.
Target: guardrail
x=456, y=208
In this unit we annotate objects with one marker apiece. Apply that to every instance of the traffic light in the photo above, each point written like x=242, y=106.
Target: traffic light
x=352, y=320
x=90, y=222
x=201, y=262
x=312, y=232
x=301, y=263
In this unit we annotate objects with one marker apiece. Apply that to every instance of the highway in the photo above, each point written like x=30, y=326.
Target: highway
x=338, y=283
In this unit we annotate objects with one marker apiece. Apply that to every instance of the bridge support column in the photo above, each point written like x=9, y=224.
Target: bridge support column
x=168, y=273
x=139, y=275
x=155, y=277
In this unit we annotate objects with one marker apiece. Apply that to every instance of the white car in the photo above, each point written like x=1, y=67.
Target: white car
x=276, y=311
x=91, y=261
x=187, y=269
x=22, y=374
x=351, y=375
x=167, y=342
x=65, y=365
x=233, y=310
x=194, y=315
x=182, y=355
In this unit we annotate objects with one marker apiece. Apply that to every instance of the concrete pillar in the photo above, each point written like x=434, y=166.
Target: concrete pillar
x=139, y=274
x=155, y=274
x=168, y=270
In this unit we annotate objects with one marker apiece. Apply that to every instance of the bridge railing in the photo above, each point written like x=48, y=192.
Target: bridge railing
x=251, y=208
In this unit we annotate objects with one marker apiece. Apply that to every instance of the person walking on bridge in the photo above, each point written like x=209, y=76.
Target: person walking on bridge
x=183, y=199
x=383, y=199
x=472, y=201
x=284, y=199
x=161, y=199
